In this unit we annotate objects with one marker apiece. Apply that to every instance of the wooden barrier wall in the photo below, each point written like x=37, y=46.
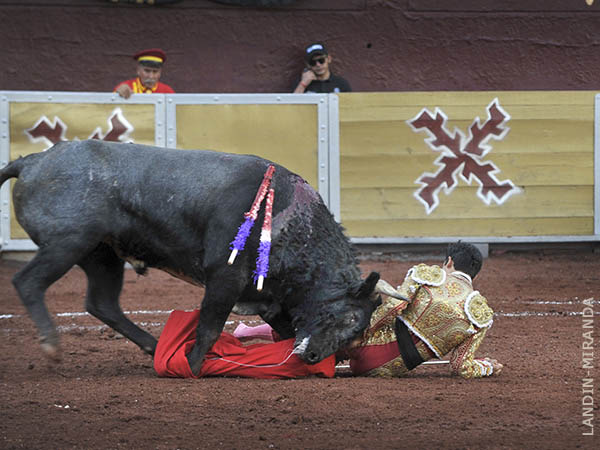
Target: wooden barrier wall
x=289, y=129
x=36, y=125
x=411, y=167
x=286, y=134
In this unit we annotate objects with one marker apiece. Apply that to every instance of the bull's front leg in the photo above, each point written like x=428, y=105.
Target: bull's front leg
x=222, y=292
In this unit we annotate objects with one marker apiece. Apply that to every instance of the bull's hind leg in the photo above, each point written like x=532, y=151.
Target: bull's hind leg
x=49, y=264
x=104, y=270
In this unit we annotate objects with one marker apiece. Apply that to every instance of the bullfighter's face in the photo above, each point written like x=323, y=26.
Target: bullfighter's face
x=336, y=322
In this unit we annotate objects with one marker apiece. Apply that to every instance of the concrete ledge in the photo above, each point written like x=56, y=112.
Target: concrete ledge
x=17, y=256
x=437, y=251
x=420, y=251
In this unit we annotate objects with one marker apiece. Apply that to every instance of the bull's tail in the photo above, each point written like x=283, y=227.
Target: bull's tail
x=12, y=170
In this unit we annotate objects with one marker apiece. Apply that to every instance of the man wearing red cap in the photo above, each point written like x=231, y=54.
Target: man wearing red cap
x=149, y=68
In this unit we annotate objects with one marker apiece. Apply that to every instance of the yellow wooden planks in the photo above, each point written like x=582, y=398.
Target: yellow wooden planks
x=565, y=226
x=547, y=154
x=78, y=121
x=286, y=134
x=463, y=202
x=385, y=170
x=532, y=135
x=81, y=121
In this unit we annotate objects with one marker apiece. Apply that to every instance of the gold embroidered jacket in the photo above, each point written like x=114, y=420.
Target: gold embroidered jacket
x=445, y=313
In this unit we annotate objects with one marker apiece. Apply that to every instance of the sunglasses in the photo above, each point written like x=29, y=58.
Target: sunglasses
x=313, y=62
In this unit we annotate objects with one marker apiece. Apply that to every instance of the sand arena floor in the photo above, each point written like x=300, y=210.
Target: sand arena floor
x=105, y=394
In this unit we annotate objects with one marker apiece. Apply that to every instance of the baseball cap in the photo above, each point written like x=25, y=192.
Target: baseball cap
x=313, y=50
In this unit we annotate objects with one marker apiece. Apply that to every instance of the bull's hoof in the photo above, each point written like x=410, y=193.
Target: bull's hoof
x=51, y=351
x=195, y=366
x=149, y=349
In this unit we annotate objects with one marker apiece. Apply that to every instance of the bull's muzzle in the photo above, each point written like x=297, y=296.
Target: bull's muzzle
x=301, y=349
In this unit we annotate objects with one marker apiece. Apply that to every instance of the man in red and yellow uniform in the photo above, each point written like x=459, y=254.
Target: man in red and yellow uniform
x=149, y=70
x=445, y=316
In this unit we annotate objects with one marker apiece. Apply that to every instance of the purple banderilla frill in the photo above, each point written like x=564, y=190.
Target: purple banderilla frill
x=237, y=245
x=243, y=232
x=262, y=261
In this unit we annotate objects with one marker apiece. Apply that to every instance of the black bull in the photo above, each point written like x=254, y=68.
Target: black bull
x=98, y=204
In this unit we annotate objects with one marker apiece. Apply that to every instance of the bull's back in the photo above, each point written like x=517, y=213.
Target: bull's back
x=107, y=162
x=115, y=188
x=80, y=170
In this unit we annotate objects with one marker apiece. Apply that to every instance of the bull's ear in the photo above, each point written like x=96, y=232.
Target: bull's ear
x=368, y=285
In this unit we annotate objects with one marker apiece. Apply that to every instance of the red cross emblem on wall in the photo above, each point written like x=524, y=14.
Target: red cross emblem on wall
x=51, y=133
x=462, y=155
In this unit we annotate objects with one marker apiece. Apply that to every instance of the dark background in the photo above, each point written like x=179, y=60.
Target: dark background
x=378, y=45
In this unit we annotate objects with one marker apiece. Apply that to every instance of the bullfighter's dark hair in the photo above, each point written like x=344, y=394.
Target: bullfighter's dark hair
x=466, y=257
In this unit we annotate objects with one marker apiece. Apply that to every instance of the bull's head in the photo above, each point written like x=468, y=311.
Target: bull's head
x=325, y=325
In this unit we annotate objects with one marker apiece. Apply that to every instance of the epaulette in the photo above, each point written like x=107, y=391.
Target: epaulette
x=429, y=275
x=478, y=311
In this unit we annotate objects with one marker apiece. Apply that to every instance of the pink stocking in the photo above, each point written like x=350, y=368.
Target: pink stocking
x=245, y=333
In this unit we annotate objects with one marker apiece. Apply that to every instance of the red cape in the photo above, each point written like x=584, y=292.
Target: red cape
x=229, y=357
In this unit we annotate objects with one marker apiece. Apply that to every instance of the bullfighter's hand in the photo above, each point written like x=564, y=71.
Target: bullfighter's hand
x=124, y=91
x=496, y=365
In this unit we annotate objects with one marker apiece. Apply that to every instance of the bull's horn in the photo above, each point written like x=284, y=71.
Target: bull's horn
x=383, y=287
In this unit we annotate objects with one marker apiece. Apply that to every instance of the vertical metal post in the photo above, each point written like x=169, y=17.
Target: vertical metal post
x=597, y=166
x=4, y=160
x=334, y=157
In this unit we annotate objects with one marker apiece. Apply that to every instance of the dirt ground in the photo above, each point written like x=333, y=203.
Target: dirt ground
x=105, y=394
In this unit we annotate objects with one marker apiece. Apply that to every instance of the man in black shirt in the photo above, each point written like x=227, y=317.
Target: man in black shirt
x=317, y=76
